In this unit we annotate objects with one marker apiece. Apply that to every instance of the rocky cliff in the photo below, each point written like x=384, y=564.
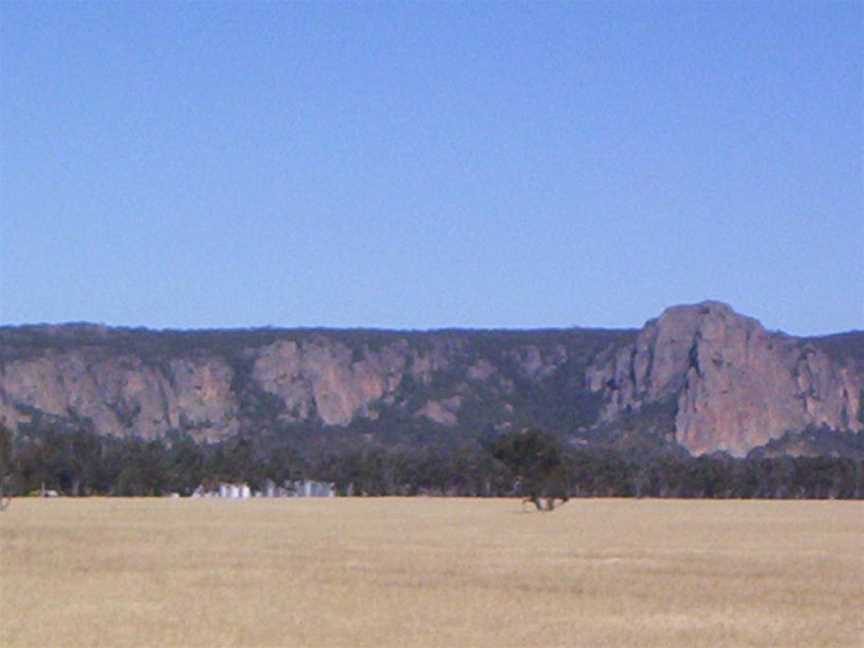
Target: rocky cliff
x=215, y=384
x=735, y=386
x=724, y=382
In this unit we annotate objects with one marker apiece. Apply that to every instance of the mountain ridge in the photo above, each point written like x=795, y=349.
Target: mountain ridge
x=700, y=376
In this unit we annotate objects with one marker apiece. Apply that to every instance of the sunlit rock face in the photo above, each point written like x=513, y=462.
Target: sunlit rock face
x=119, y=394
x=320, y=378
x=736, y=385
x=700, y=374
x=324, y=377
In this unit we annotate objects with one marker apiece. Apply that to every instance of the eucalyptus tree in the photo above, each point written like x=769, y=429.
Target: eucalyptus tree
x=536, y=462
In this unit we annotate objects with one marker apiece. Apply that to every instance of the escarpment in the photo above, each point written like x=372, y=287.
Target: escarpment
x=721, y=380
x=735, y=386
x=121, y=394
x=213, y=385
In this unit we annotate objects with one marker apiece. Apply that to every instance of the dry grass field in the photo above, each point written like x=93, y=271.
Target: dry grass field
x=430, y=572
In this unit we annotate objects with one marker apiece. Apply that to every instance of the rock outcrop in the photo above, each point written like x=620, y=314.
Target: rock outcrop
x=120, y=394
x=736, y=386
x=207, y=394
x=721, y=381
x=323, y=378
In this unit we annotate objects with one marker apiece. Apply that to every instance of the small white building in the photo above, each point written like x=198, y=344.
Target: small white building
x=298, y=488
x=311, y=488
x=226, y=491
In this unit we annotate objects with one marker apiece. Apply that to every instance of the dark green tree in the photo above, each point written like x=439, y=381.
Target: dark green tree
x=5, y=465
x=5, y=451
x=538, y=467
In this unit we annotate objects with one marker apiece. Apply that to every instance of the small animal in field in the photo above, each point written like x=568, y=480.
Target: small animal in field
x=545, y=503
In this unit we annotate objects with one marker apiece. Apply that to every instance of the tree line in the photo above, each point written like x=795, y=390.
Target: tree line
x=79, y=462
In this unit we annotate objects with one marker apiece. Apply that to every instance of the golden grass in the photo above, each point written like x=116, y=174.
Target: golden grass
x=430, y=572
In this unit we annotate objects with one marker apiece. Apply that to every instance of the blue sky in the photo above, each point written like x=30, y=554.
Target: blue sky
x=421, y=165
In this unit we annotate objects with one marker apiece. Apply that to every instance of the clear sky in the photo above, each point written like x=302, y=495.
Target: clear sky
x=422, y=165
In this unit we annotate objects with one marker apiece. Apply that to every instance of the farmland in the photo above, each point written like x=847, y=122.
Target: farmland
x=430, y=572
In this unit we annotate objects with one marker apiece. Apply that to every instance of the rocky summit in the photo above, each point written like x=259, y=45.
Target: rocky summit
x=700, y=377
x=735, y=386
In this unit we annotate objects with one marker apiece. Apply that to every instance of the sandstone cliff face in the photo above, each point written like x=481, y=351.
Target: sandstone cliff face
x=327, y=379
x=718, y=380
x=323, y=378
x=736, y=386
x=121, y=394
x=317, y=379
